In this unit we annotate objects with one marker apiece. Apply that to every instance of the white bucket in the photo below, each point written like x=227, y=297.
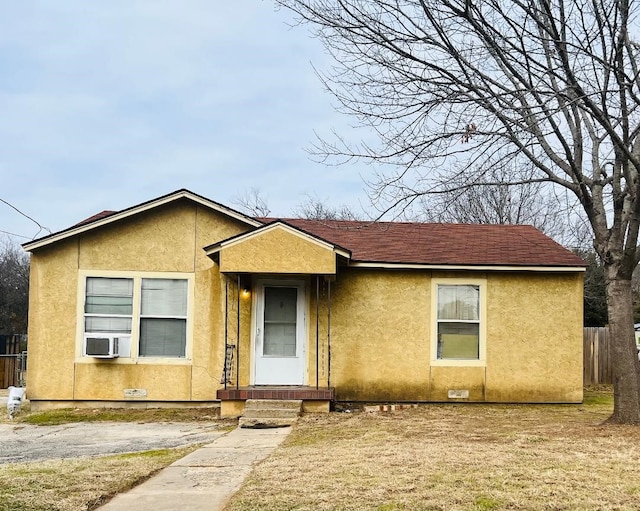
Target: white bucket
x=16, y=395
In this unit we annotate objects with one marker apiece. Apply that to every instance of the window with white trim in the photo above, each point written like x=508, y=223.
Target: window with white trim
x=458, y=322
x=108, y=307
x=149, y=313
x=163, y=318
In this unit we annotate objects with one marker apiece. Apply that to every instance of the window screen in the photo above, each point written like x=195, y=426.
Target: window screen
x=163, y=318
x=280, y=319
x=153, y=312
x=108, y=305
x=458, y=319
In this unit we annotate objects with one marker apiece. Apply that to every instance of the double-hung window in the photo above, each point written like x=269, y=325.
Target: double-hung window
x=149, y=314
x=458, y=321
x=108, y=306
x=163, y=318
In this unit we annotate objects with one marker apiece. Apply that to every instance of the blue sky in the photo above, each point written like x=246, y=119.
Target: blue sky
x=106, y=104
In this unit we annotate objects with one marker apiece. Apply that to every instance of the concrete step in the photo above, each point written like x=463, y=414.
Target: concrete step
x=270, y=413
x=247, y=422
x=255, y=404
x=276, y=413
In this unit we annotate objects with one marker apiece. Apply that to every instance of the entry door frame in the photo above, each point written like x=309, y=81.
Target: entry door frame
x=257, y=330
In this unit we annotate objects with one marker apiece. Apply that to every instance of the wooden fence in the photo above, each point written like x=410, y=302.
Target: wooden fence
x=13, y=370
x=597, y=364
x=12, y=360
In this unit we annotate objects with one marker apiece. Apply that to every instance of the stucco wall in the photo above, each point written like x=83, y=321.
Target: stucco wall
x=168, y=239
x=108, y=380
x=52, y=321
x=380, y=336
x=382, y=331
x=278, y=251
x=534, y=350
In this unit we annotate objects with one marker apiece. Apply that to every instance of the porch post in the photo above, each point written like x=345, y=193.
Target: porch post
x=317, y=329
x=238, y=337
x=328, y=333
x=226, y=329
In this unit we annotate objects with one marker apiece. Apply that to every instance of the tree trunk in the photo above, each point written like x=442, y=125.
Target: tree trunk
x=623, y=353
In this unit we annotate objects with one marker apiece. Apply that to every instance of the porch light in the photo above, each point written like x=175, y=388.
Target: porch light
x=246, y=292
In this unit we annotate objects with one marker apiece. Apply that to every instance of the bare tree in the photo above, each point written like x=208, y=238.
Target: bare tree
x=595, y=293
x=454, y=88
x=14, y=288
x=252, y=202
x=314, y=208
x=493, y=199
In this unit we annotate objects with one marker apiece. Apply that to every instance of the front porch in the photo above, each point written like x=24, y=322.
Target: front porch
x=314, y=400
x=277, y=294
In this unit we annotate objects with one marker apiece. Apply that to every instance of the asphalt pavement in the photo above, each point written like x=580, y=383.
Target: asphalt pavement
x=25, y=442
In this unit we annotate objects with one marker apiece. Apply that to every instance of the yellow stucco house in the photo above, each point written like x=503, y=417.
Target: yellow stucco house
x=183, y=301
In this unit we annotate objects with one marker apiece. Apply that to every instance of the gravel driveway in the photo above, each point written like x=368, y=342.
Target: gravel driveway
x=22, y=442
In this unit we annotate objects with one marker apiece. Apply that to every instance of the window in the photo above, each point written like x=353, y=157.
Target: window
x=163, y=318
x=458, y=322
x=148, y=314
x=280, y=321
x=108, y=306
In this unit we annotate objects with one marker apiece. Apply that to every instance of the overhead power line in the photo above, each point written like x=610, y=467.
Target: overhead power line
x=14, y=234
x=40, y=226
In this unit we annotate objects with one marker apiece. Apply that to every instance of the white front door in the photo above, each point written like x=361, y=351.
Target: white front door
x=280, y=333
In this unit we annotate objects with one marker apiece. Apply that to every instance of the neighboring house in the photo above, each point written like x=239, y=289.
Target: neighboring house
x=183, y=301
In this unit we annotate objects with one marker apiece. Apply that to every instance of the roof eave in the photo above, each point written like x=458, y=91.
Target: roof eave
x=468, y=267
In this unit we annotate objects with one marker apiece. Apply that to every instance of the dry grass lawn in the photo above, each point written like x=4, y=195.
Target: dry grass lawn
x=435, y=457
x=453, y=457
x=86, y=483
x=77, y=484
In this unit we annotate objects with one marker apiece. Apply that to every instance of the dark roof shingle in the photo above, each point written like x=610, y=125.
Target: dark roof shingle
x=96, y=217
x=431, y=243
x=441, y=244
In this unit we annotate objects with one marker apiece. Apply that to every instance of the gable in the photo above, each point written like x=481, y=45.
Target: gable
x=168, y=238
x=276, y=248
x=106, y=218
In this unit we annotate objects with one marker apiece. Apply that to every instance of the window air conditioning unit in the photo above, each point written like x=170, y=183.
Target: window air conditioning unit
x=101, y=346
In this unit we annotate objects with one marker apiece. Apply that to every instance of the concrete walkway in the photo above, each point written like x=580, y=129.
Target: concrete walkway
x=206, y=478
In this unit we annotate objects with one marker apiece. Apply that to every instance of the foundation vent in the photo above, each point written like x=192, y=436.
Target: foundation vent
x=458, y=394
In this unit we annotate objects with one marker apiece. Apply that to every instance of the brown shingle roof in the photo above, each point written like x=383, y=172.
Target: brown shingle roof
x=97, y=216
x=415, y=243
x=442, y=244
